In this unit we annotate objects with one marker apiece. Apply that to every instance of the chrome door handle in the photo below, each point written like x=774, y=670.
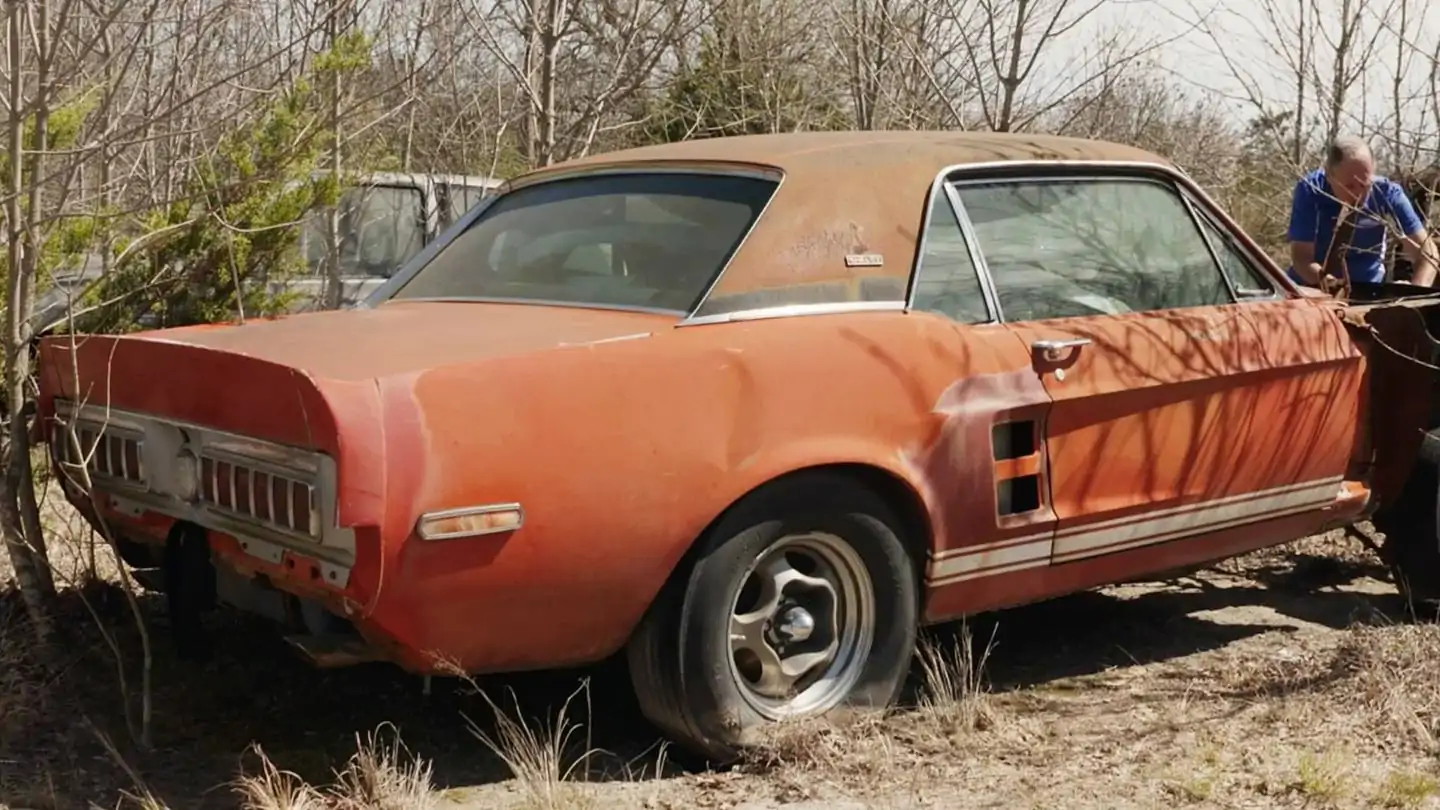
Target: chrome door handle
x=1055, y=350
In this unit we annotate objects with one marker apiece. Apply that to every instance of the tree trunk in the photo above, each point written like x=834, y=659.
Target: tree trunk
x=32, y=572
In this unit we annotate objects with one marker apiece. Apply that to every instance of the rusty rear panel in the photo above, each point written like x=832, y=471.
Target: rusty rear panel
x=261, y=399
x=232, y=392
x=314, y=381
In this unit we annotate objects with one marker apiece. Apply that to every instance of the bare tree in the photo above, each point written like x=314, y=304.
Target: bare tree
x=895, y=67
x=574, y=64
x=1350, y=52
x=1003, y=44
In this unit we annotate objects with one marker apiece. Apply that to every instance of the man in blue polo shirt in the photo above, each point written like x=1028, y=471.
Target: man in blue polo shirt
x=1348, y=182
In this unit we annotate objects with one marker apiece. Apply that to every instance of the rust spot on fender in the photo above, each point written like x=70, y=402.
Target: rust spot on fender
x=958, y=457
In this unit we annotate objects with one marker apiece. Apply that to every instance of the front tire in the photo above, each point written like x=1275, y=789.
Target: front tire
x=1412, y=533
x=802, y=601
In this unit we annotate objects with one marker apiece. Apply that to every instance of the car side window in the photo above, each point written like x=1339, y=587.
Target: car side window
x=1248, y=279
x=946, y=282
x=1061, y=248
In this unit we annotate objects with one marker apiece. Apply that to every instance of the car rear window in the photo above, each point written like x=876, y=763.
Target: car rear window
x=652, y=240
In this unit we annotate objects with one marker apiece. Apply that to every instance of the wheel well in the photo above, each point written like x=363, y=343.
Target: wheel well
x=905, y=504
x=907, y=509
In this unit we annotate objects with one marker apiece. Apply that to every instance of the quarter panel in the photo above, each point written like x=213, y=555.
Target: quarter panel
x=622, y=453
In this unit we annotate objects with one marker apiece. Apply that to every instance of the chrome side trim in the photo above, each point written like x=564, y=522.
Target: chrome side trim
x=977, y=256
x=543, y=302
x=1117, y=535
x=468, y=511
x=795, y=310
x=917, y=266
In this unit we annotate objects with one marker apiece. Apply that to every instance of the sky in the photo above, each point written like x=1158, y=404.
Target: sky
x=1252, y=44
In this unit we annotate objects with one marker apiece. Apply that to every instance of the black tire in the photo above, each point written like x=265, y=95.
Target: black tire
x=680, y=656
x=1412, y=533
x=189, y=578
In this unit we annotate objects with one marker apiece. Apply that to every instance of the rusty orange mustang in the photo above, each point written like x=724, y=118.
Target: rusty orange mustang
x=750, y=411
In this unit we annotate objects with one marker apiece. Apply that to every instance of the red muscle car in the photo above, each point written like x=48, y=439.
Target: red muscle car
x=752, y=410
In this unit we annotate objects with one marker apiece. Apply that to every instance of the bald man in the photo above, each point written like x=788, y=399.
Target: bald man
x=1347, y=183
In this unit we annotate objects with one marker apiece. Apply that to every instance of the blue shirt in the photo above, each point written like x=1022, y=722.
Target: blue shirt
x=1314, y=211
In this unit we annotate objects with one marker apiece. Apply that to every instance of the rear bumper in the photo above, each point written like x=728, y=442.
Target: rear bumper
x=326, y=626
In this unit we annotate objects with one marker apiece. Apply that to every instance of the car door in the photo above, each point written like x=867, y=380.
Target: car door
x=1170, y=416
x=1315, y=430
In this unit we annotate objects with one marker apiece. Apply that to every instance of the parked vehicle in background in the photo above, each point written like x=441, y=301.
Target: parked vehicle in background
x=384, y=221
x=753, y=410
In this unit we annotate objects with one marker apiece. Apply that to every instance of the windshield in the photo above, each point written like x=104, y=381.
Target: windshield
x=652, y=240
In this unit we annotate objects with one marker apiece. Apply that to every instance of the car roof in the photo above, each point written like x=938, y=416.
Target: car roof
x=844, y=224
x=922, y=152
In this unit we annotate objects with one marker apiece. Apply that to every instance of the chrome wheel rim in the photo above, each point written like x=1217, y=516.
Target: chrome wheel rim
x=801, y=625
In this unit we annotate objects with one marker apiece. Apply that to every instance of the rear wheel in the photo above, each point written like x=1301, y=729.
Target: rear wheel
x=801, y=601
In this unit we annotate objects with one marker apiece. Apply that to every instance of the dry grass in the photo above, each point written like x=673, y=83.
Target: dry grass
x=1406, y=789
x=1392, y=676
x=1257, y=690
x=953, y=688
x=381, y=775
x=22, y=696
x=275, y=789
x=541, y=758
x=890, y=758
x=385, y=776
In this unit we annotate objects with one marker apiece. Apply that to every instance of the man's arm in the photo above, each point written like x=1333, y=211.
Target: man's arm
x=1303, y=224
x=1418, y=246
x=1420, y=250
x=1302, y=258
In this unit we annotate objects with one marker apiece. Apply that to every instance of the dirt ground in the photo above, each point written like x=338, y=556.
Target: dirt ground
x=1288, y=678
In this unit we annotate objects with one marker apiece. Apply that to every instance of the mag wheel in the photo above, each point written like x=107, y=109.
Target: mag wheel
x=801, y=625
x=802, y=600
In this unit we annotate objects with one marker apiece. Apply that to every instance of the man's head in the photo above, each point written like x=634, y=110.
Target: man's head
x=1350, y=168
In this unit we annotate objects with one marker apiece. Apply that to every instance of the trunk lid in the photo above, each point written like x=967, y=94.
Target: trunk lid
x=403, y=337
x=290, y=380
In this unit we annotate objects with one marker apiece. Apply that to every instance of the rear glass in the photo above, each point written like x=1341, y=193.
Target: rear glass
x=644, y=240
